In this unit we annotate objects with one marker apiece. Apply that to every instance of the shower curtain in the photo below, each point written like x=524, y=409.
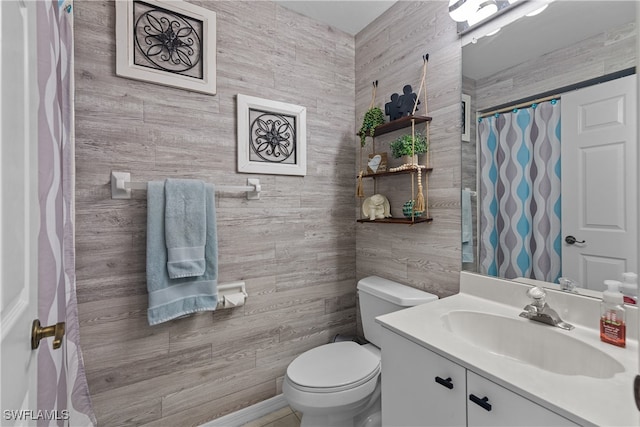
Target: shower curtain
x=519, y=193
x=62, y=385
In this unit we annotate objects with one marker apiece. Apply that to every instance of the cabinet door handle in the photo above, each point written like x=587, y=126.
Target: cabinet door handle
x=447, y=383
x=484, y=402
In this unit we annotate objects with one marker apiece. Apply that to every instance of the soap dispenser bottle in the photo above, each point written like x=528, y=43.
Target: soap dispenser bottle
x=612, y=321
x=629, y=287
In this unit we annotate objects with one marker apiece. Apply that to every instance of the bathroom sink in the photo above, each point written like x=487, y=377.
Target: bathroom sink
x=543, y=346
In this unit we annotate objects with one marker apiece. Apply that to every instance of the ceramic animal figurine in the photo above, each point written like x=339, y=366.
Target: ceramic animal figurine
x=376, y=207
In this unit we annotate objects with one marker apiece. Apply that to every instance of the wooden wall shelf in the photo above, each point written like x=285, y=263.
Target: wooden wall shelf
x=392, y=126
x=415, y=220
x=375, y=175
x=400, y=123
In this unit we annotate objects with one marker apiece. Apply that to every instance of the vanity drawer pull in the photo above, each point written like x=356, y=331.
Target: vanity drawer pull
x=447, y=383
x=484, y=402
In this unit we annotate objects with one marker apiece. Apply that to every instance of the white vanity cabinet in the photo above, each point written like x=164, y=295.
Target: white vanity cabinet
x=422, y=388
x=492, y=405
x=411, y=393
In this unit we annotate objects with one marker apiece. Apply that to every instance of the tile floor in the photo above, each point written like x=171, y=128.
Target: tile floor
x=285, y=417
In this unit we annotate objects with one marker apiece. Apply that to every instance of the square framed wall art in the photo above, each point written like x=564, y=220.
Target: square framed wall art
x=171, y=43
x=466, y=118
x=271, y=137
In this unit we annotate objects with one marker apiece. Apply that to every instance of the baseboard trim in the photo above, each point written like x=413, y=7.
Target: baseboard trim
x=250, y=413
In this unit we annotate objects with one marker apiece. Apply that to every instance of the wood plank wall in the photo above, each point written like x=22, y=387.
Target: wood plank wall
x=602, y=54
x=469, y=169
x=390, y=50
x=295, y=248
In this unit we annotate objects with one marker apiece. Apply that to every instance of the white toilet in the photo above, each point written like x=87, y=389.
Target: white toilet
x=338, y=384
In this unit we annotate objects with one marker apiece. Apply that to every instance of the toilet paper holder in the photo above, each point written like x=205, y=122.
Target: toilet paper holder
x=231, y=295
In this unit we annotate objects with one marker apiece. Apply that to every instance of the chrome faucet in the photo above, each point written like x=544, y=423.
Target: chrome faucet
x=540, y=311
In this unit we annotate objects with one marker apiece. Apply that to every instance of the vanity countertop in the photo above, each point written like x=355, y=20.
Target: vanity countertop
x=584, y=400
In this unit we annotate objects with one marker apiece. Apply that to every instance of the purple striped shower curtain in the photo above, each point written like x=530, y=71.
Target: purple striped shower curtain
x=62, y=384
x=519, y=193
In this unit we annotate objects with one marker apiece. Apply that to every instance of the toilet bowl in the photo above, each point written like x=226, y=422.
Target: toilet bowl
x=338, y=384
x=333, y=383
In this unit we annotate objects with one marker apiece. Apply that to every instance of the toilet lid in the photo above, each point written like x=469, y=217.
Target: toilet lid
x=334, y=365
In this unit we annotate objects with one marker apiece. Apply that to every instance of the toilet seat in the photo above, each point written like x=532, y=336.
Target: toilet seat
x=333, y=367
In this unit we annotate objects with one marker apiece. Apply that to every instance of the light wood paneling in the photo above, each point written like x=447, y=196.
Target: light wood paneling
x=426, y=256
x=604, y=53
x=295, y=248
x=469, y=164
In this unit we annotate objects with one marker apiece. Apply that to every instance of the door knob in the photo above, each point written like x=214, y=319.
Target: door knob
x=571, y=240
x=37, y=333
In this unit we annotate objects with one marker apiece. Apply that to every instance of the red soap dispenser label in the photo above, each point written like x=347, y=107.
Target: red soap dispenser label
x=612, y=330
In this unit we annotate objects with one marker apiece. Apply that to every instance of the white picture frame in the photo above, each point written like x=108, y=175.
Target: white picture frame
x=271, y=137
x=466, y=118
x=143, y=54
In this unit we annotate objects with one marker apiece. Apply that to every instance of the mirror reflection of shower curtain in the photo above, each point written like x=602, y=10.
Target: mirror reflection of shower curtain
x=519, y=194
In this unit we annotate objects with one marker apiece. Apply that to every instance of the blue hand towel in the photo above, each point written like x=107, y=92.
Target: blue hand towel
x=185, y=227
x=467, y=227
x=172, y=298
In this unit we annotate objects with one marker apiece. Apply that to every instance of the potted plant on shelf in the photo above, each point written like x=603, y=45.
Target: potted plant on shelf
x=403, y=147
x=372, y=118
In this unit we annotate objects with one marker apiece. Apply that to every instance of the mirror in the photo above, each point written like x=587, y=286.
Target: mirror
x=568, y=43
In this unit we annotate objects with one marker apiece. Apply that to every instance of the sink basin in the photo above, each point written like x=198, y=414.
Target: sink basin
x=544, y=346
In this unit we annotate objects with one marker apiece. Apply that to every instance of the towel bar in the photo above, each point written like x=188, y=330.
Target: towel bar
x=121, y=186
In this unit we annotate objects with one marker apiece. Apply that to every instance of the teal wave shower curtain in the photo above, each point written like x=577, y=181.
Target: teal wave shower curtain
x=519, y=194
x=62, y=383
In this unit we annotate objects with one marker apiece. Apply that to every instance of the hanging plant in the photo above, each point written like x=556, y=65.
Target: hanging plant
x=372, y=118
x=403, y=146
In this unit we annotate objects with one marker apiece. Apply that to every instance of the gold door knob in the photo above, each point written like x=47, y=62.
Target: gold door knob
x=37, y=333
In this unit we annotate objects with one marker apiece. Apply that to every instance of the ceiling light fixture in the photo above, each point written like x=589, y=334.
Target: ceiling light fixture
x=485, y=10
x=470, y=13
x=538, y=11
x=461, y=10
x=485, y=17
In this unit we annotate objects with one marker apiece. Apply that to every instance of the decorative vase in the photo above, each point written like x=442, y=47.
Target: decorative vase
x=409, y=160
x=407, y=208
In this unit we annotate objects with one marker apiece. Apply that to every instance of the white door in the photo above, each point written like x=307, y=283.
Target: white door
x=599, y=182
x=18, y=210
x=636, y=385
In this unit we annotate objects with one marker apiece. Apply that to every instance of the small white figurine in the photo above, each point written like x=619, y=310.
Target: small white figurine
x=376, y=207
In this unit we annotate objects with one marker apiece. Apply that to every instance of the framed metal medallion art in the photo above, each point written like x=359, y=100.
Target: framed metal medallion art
x=168, y=42
x=466, y=118
x=271, y=137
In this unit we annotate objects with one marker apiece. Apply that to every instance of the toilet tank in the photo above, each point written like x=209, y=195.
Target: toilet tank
x=380, y=296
